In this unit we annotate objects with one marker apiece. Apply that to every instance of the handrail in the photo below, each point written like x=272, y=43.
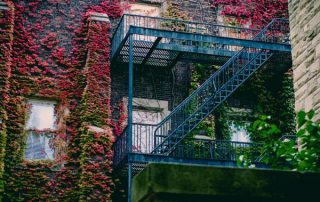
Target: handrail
x=116, y=29
x=157, y=23
x=201, y=87
x=144, y=124
x=194, y=113
x=191, y=22
x=207, y=83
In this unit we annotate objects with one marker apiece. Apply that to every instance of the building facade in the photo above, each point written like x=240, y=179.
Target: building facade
x=63, y=103
x=305, y=39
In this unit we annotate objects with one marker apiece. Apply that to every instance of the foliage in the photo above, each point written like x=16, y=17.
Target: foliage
x=255, y=12
x=6, y=36
x=287, y=117
x=96, y=157
x=264, y=129
x=174, y=12
x=308, y=156
x=222, y=120
x=217, y=123
x=271, y=91
x=302, y=154
x=43, y=52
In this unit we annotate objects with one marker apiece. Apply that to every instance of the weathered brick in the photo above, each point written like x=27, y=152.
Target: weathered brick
x=305, y=35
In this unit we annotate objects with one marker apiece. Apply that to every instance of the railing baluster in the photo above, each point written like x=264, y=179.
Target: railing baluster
x=188, y=111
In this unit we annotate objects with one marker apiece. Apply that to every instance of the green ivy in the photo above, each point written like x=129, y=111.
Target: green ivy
x=302, y=154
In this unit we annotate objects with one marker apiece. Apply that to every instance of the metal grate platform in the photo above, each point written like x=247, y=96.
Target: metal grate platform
x=163, y=42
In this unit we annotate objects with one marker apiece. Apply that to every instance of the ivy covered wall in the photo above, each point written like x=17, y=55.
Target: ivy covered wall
x=56, y=50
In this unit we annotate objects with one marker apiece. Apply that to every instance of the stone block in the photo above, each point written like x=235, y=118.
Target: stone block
x=315, y=68
x=173, y=182
x=318, y=50
x=308, y=103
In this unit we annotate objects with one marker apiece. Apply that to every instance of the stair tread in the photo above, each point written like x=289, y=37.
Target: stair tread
x=226, y=81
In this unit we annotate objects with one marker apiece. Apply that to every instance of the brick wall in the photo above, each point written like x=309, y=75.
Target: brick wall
x=305, y=39
x=160, y=83
x=197, y=10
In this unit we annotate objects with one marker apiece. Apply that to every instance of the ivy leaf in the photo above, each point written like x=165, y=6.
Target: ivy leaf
x=311, y=114
x=301, y=118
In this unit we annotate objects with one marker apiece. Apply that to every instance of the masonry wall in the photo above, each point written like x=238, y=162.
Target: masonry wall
x=56, y=50
x=170, y=84
x=305, y=39
x=197, y=10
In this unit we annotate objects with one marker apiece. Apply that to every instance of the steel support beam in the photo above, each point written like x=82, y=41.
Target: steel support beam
x=130, y=100
x=147, y=158
x=194, y=49
x=211, y=39
x=155, y=44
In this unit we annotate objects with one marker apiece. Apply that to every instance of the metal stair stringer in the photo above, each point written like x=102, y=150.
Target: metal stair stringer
x=169, y=142
x=188, y=114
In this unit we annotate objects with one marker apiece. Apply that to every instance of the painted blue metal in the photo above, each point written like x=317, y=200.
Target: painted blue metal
x=203, y=101
x=266, y=43
x=193, y=37
x=189, y=148
x=130, y=100
x=154, y=45
x=130, y=92
x=163, y=42
x=148, y=158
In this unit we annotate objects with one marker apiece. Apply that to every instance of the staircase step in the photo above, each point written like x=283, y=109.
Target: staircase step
x=228, y=78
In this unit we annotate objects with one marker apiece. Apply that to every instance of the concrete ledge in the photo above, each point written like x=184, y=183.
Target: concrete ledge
x=170, y=182
x=99, y=17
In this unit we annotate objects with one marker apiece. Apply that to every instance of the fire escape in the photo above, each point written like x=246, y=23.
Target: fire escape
x=160, y=42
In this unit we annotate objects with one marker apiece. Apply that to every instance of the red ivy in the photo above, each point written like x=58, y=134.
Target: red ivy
x=257, y=12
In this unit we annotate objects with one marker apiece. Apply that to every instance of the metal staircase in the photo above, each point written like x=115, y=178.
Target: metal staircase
x=150, y=41
x=203, y=101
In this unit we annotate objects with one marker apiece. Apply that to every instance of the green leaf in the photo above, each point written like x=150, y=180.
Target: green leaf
x=301, y=132
x=256, y=124
x=311, y=114
x=301, y=118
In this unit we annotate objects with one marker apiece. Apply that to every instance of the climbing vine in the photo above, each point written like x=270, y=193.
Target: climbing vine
x=256, y=13
x=273, y=94
x=217, y=124
x=6, y=36
x=48, y=55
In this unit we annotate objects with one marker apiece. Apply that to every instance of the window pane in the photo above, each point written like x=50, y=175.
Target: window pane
x=38, y=147
x=239, y=133
x=41, y=115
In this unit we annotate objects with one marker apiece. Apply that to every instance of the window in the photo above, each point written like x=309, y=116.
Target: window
x=40, y=127
x=239, y=133
x=146, y=114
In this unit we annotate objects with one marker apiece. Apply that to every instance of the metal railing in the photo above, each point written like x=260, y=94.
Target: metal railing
x=216, y=89
x=176, y=25
x=120, y=147
x=142, y=141
x=143, y=137
x=218, y=150
x=277, y=32
x=190, y=148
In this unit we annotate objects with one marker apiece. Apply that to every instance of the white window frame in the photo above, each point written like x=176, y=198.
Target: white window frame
x=41, y=134
x=141, y=143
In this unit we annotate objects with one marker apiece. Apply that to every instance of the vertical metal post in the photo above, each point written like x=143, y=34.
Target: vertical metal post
x=130, y=99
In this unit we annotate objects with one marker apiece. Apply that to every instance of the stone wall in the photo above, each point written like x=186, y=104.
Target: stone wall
x=305, y=39
x=197, y=10
x=189, y=183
